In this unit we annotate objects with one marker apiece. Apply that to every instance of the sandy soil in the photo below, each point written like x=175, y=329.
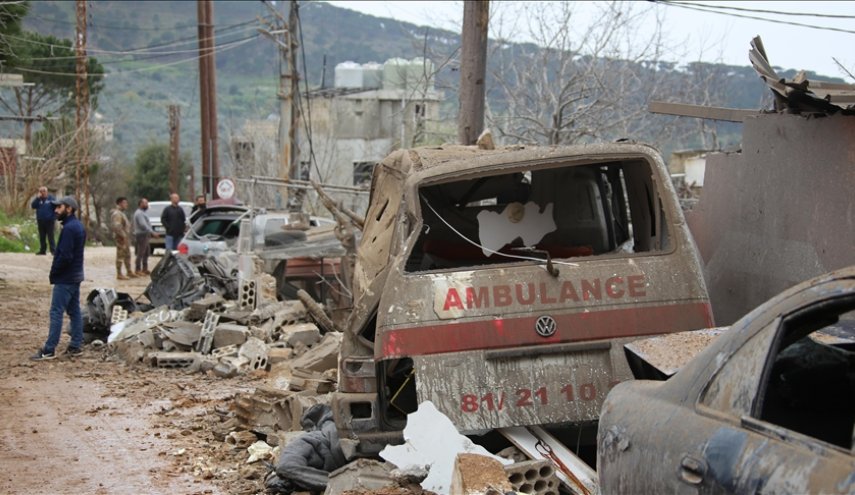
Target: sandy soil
x=93, y=424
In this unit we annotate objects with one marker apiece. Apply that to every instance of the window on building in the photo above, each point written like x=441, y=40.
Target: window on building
x=362, y=173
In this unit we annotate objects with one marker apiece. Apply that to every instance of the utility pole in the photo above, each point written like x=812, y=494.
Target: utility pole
x=208, y=97
x=287, y=39
x=473, y=70
x=174, y=146
x=82, y=115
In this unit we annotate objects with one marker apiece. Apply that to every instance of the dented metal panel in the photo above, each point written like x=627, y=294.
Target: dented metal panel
x=722, y=425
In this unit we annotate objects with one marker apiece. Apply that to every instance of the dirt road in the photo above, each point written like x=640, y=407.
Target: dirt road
x=93, y=424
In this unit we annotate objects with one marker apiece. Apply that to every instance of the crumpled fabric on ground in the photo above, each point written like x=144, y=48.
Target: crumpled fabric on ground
x=305, y=463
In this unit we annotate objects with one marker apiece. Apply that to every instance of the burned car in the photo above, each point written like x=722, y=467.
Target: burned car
x=502, y=284
x=767, y=407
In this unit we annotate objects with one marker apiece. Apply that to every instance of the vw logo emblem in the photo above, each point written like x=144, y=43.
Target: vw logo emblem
x=545, y=326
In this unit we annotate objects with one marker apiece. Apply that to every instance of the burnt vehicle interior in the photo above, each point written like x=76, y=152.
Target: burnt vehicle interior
x=809, y=382
x=559, y=211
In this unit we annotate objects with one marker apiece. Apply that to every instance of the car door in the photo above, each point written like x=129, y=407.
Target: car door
x=780, y=413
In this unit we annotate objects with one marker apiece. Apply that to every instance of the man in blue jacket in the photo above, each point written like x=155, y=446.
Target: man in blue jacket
x=66, y=273
x=43, y=204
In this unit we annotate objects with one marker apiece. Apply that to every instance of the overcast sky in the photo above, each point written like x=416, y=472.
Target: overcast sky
x=707, y=36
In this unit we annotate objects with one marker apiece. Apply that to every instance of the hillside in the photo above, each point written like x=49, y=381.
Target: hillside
x=149, y=50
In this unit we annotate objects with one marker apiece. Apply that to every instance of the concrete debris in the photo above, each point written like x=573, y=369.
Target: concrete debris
x=322, y=356
x=421, y=447
x=307, y=333
x=248, y=295
x=241, y=439
x=479, y=475
x=534, y=476
x=259, y=451
x=230, y=334
x=363, y=474
x=206, y=337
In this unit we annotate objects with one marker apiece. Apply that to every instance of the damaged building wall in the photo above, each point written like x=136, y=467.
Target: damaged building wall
x=779, y=212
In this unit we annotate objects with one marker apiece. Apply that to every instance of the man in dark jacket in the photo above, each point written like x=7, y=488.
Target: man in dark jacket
x=43, y=204
x=173, y=220
x=66, y=273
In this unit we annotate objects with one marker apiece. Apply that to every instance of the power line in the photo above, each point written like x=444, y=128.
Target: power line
x=132, y=51
x=762, y=11
x=713, y=10
x=150, y=55
x=307, y=125
x=140, y=69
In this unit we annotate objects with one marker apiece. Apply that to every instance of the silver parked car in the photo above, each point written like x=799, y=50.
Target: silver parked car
x=217, y=229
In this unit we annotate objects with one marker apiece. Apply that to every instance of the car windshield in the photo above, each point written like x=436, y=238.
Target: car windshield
x=224, y=227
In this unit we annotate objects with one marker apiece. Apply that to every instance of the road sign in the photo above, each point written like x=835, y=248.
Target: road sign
x=225, y=188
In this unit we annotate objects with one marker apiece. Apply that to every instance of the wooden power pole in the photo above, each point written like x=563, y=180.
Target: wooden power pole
x=285, y=35
x=473, y=70
x=208, y=97
x=174, y=146
x=82, y=115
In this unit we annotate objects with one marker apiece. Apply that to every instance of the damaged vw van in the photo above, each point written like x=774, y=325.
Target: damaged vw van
x=502, y=284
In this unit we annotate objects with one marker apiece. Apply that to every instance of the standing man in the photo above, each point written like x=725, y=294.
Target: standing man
x=122, y=235
x=66, y=273
x=199, y=206
x=45, y=218
x=142, y=236
x=173, y=220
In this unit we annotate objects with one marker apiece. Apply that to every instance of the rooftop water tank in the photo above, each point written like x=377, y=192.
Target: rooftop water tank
x=399, y=73
x=372, y=75
x=348, y=75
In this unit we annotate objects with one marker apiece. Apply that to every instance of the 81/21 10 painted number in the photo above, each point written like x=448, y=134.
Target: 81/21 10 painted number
x=525, y=397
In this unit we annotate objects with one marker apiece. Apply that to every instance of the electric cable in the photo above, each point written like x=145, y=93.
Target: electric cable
x=700, y=8
x=491, y=251
x=763, y=11
x=308, y=100
x=140, y=69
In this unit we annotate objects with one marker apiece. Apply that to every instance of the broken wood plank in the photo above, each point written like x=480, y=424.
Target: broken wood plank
x=701, y=111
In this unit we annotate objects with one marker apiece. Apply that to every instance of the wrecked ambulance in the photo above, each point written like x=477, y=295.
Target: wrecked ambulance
x=502, y=284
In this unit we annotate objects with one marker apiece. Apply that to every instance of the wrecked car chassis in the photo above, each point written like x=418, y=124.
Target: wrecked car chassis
x=501, y=285
x=767, y=407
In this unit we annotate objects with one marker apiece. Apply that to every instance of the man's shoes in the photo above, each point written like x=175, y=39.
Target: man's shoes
x=40, y=254
x=132, y=275
x=145, y=272
x=41, y=355
x=74, y=351
x=121, y=277
x=139, y=274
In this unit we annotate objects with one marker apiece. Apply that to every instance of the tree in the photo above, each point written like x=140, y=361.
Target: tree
x=50, y=64
x=11, y=14
x=577, y=82
x=151, y=172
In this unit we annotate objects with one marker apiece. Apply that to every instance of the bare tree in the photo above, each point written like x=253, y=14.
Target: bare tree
x=581, y=78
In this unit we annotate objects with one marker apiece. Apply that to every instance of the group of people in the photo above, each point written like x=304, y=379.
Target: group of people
x=66, y=272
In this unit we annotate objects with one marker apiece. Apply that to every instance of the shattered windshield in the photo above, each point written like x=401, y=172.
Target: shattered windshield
x=572, y=211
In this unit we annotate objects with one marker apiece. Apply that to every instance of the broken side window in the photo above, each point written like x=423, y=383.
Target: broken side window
x=560, y=212
x=810, y=382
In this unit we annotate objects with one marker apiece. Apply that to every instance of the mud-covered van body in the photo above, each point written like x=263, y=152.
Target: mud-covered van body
x=501, y=285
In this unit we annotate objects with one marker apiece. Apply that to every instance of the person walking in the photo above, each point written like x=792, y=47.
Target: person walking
x=122, y=235
x=142, y=236
x=174, y=221
x=66, y=273
x=45, y=218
